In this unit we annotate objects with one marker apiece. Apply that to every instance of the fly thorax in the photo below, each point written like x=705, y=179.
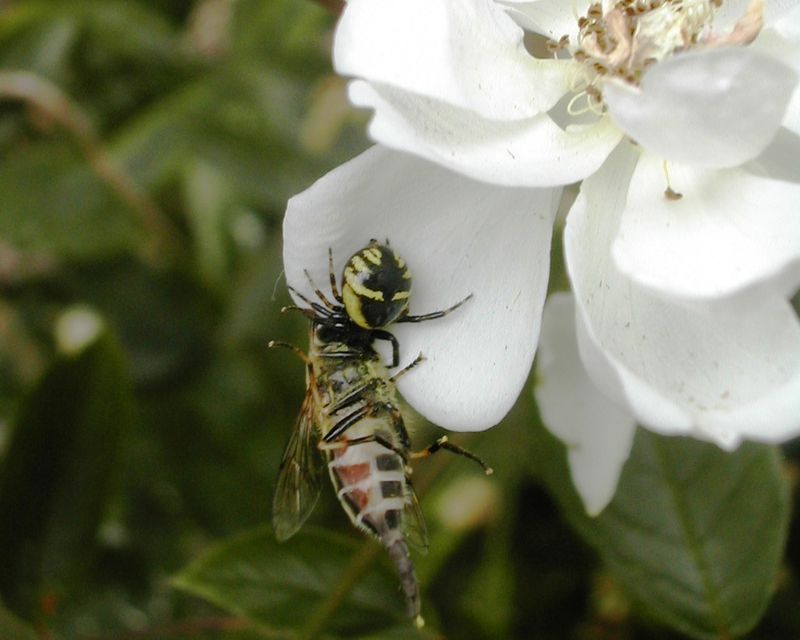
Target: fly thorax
x=622, y=39
x=345, y=375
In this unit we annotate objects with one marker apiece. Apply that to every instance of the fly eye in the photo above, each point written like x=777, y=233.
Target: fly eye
x=376, y=286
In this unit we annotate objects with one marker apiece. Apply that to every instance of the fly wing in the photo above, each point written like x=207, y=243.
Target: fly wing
x=299, y=475
x=415, y=530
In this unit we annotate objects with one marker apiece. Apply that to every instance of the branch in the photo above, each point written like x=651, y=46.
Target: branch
x=42, y=94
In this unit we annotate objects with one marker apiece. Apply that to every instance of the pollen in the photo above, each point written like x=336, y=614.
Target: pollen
x=622, y=39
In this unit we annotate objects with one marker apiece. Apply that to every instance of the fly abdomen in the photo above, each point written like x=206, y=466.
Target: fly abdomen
x=370, y=481
x=371, y=484
x=398, y=552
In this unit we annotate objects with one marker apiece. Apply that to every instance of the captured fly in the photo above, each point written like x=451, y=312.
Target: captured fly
x=351, y=412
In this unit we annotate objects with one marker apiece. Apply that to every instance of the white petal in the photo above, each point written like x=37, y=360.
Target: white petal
x=533, y=152
x=731, y=10
x=467, y=53
x=786, y=21
x=731, y=233
x=597, y=432
x=707, y=107
x=459, y=237
x=781, y=44
x=784, y=45
x=779, y=160
x=723, y=375
x=792, y=119
x=550, y=18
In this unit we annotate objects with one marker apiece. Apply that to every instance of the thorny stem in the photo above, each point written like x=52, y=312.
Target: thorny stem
x=43, y=95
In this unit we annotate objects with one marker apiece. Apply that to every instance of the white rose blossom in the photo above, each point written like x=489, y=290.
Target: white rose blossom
x=682, y=118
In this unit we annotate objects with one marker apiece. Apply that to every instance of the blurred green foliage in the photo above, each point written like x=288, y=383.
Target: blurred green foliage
x=147, y=150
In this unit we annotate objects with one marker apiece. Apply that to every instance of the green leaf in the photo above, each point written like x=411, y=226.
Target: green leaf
x=51, y=201
x=155, y=142
x=695, y=535
x=316, y=580
x=130, y=29
x=242, y=120
x=208, y=203
x=285, y=31
x=59, y=472
x=37, y=41
x=162, y=317
x=117, y=25
x=402, y=632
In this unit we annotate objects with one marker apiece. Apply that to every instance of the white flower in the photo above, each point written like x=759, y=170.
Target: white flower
x=458, y=236
x=682, y=249
x=452, y=81
x=719, y=367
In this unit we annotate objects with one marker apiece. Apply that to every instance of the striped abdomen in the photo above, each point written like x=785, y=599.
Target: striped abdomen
x=370, y=481
x=369, y=478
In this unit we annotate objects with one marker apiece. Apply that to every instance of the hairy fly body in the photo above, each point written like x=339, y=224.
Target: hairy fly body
x=351, y=412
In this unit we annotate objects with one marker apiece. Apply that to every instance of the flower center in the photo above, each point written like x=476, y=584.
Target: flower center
x=621, y=39
x=634, y=34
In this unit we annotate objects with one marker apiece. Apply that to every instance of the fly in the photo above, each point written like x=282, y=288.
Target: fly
x=351, y=412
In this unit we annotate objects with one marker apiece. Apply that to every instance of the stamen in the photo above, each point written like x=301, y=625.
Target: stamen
x=622, y=38
x=573, y=110
x=669, y=192
x=594, y=102
x=579, y=80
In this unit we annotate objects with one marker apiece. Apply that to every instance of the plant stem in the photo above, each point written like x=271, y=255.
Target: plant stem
x=40, y=93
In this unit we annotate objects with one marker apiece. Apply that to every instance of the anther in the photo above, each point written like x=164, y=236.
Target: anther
x=669, y=192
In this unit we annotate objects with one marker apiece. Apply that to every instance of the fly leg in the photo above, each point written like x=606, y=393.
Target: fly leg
x=407, y=368
x=272, y=344
x=444, y=443
x=308, y=313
